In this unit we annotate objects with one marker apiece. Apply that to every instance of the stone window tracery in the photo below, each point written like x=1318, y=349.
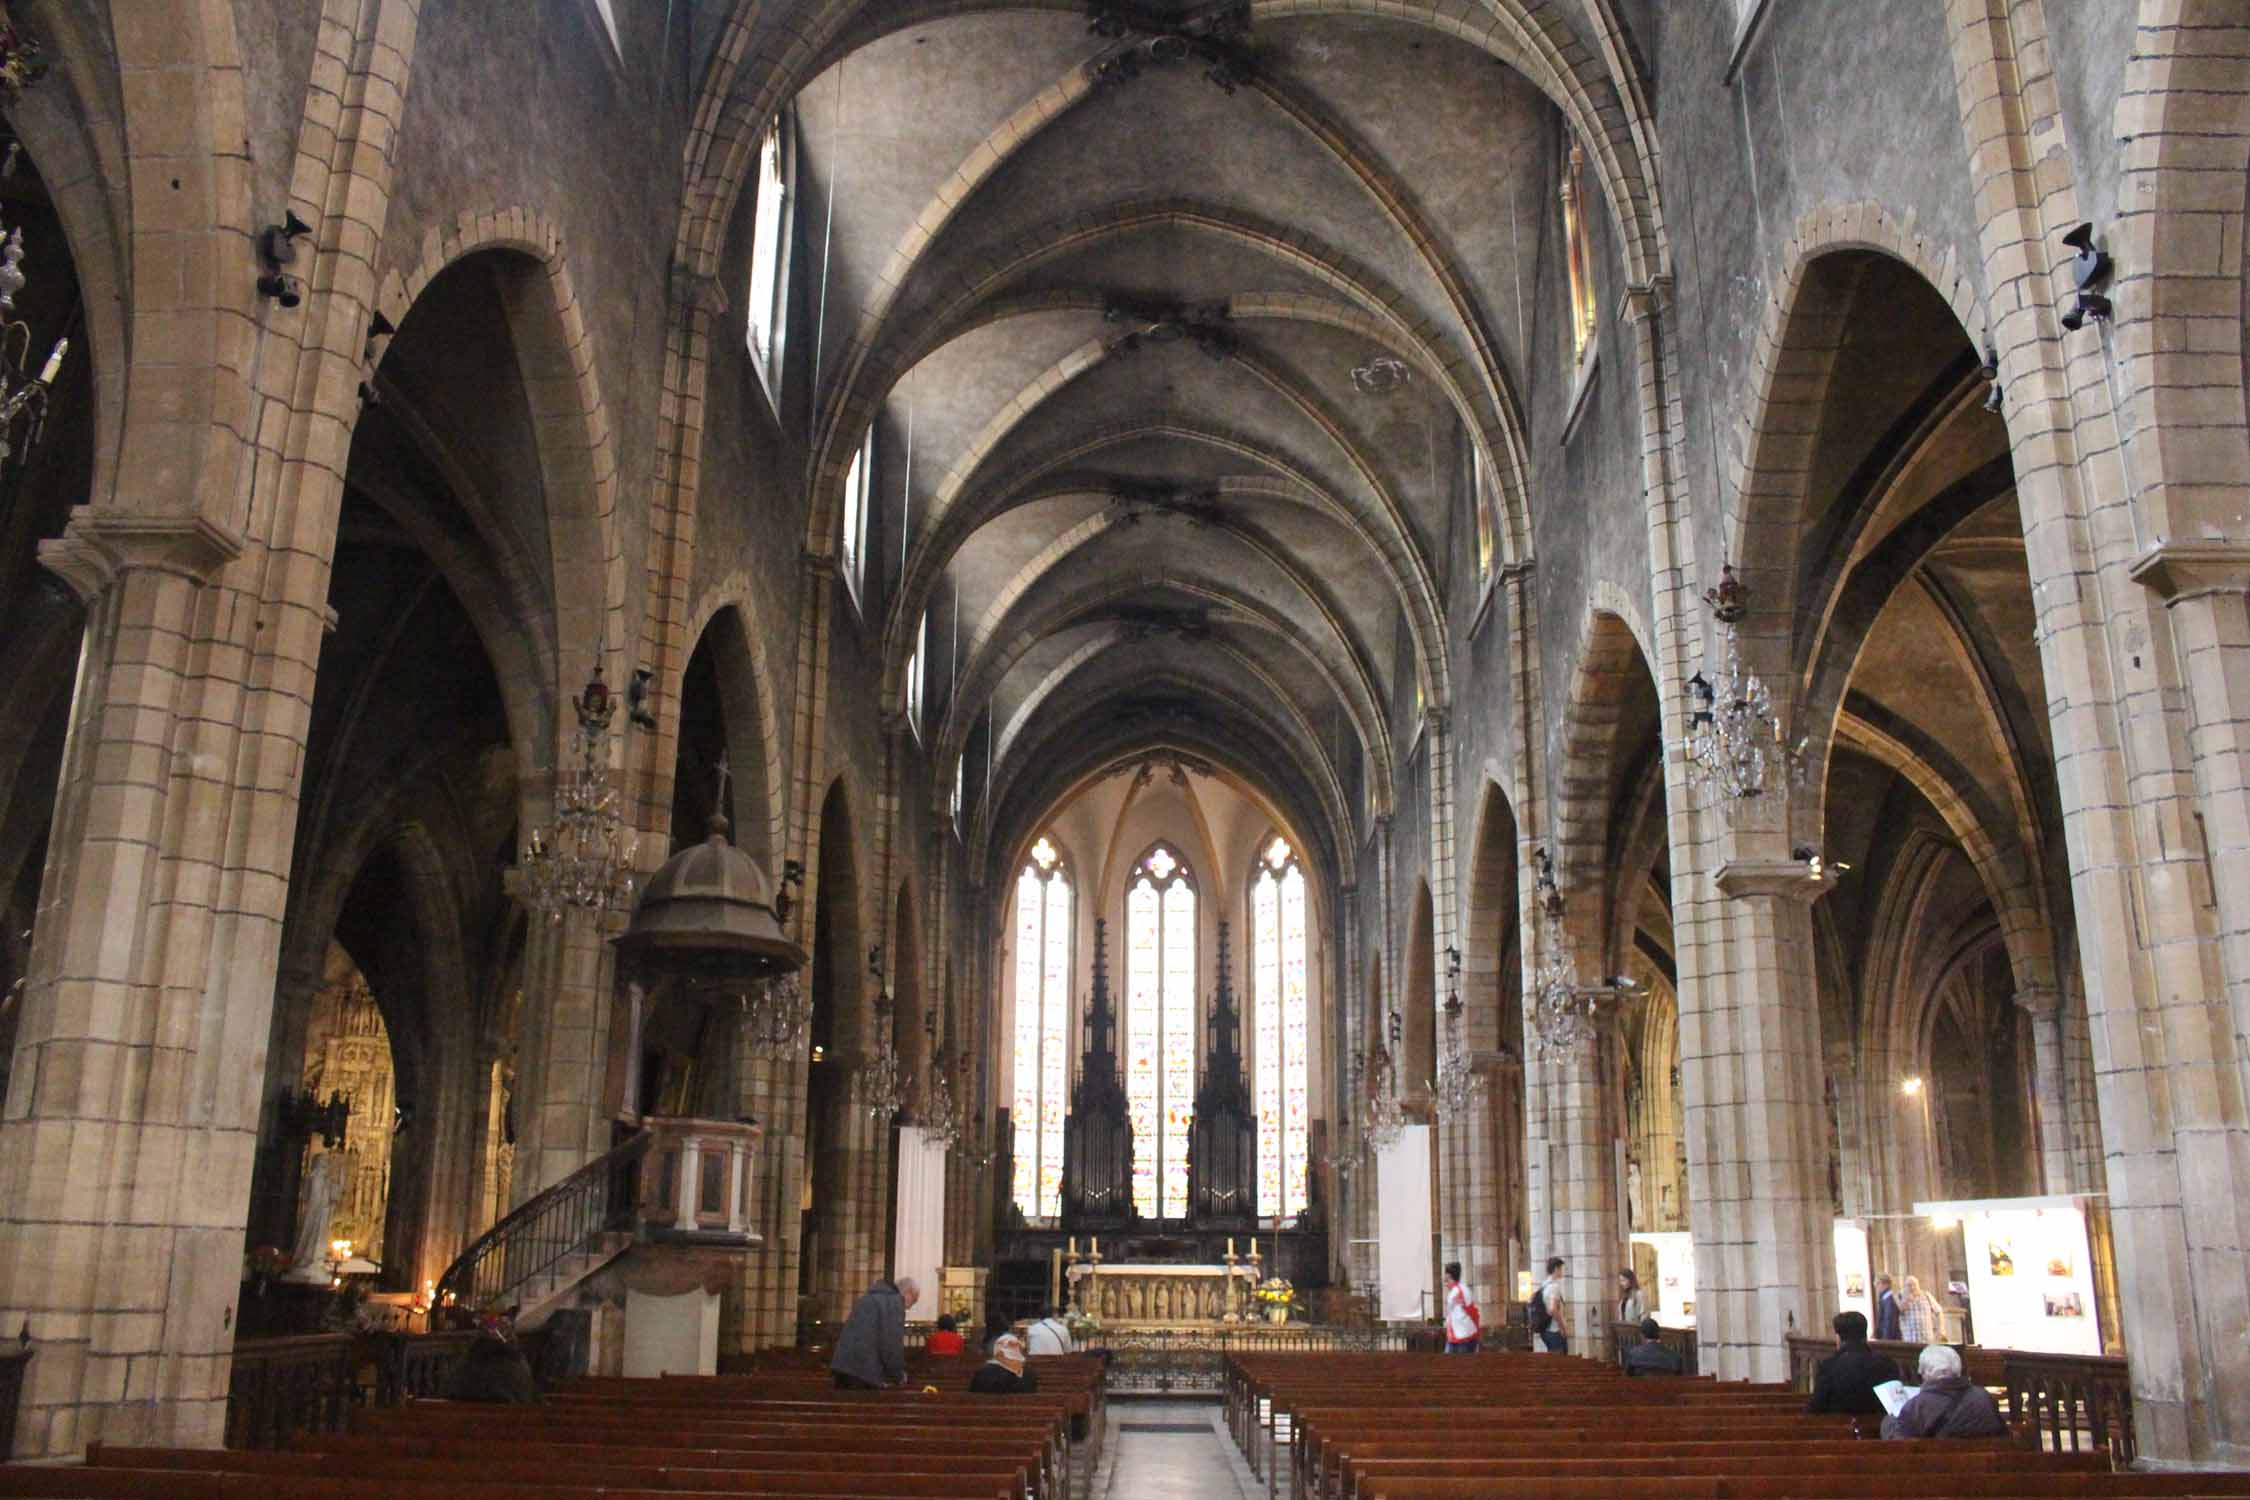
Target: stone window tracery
x=1042, y=1030
x=1160, y=1024
x=1282, y=1036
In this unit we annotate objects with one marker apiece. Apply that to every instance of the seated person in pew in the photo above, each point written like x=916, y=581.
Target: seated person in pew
x=492, y=1369
x=1948, y=1405
x=1847, y=1378
x=871, y=1351
x=945, y=1338
x=1004, y=1374
x=1050, y=1335
x=1652, y=1356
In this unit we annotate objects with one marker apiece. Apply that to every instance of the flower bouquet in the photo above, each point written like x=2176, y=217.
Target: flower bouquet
x=1276, y=1296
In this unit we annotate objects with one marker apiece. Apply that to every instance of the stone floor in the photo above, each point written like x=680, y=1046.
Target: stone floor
x=1171, y=1450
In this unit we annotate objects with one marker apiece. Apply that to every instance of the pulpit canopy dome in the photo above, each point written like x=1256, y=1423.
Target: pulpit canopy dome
x=710, y=911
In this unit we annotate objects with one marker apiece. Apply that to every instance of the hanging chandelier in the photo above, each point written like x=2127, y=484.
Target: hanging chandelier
x=1562, y=1014
x=942, y=1117
x=776, y=1016
x=587, y=862
x=879, y=1084
x=1561, y=1018
x=1386, y=1117
x=1736, y=746
x=1461, y=1087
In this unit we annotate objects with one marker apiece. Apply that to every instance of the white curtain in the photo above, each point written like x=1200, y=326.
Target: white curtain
x=1402, y=1198
x=920, y=1246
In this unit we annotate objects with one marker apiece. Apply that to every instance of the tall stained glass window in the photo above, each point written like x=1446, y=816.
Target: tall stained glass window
x=1042, y=1070
x=1278, y=920
x=1160, y=1016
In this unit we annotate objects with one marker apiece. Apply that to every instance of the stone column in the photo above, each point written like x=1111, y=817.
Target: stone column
x=1764, y=1264
x=1586, y=1220
x=569, y=973
x=2042, y=1005
x=131, y=1120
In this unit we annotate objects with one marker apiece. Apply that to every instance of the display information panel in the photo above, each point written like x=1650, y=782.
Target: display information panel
x=1855, y=1289
x=1672, y=1300
x=2031, y=1280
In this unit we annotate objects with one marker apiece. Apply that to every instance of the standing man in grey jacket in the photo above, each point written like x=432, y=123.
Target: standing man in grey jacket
x=871, y=1351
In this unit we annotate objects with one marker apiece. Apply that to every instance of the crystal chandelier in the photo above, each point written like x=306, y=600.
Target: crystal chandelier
x=1561, y=1018
x=1385, y=1116
x=942, y=1119
x=1562, y=1014
x=1460, y=1086
x=879, y=1085
x=776, y=1016
x=1735, y=745
x=587, y=863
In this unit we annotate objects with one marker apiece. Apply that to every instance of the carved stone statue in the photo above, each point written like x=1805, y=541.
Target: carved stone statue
x=1633, y=1194
x=323, y=1184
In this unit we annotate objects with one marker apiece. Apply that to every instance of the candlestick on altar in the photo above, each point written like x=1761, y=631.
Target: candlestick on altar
x=1233, y=1313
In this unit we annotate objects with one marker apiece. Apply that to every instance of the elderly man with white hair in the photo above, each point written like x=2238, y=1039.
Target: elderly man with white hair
x=871, y=1351
x=1949, y=1405
x=1004, y=1374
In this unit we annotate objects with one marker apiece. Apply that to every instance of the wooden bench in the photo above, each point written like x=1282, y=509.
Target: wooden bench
x=1391, y=1427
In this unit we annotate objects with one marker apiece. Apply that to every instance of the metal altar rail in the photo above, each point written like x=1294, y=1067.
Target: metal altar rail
x=2076, y=1403
x=1192, y=1361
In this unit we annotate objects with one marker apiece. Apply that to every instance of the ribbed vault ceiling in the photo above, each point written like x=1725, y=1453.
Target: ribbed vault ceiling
x=1202, y=534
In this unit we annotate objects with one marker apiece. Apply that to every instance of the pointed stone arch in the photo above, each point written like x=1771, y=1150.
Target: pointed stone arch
x=576, y=444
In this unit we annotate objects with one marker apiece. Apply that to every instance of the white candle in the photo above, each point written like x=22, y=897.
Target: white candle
x=1074, y=1245
x=1097, y=1244
x=1230, y=1244
x=54, y=361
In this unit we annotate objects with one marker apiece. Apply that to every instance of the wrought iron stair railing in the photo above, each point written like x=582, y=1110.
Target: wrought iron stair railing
x=549, y=1228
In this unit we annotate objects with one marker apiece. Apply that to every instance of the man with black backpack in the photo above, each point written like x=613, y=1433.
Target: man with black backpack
x=1548, y=1312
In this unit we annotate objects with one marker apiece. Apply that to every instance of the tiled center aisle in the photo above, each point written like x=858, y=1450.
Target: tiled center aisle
x=1174, y=1450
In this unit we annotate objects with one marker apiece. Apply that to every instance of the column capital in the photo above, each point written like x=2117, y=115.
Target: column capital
x=819, y=565
x=101, y=542
x=2041, y=1002
x=1649, y=297
x=1787, y=879
x=2179, y=571
x=698, y=290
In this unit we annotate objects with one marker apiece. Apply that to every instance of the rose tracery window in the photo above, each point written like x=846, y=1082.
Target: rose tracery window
x=1160, y=1024
x=1283, y=1095
x=1042, y=1032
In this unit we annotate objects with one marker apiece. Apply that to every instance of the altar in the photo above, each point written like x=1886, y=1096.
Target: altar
x=1161, y=1296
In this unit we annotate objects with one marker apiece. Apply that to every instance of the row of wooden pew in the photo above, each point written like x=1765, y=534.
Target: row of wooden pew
x=781, y=1430
x=1543, y=1427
